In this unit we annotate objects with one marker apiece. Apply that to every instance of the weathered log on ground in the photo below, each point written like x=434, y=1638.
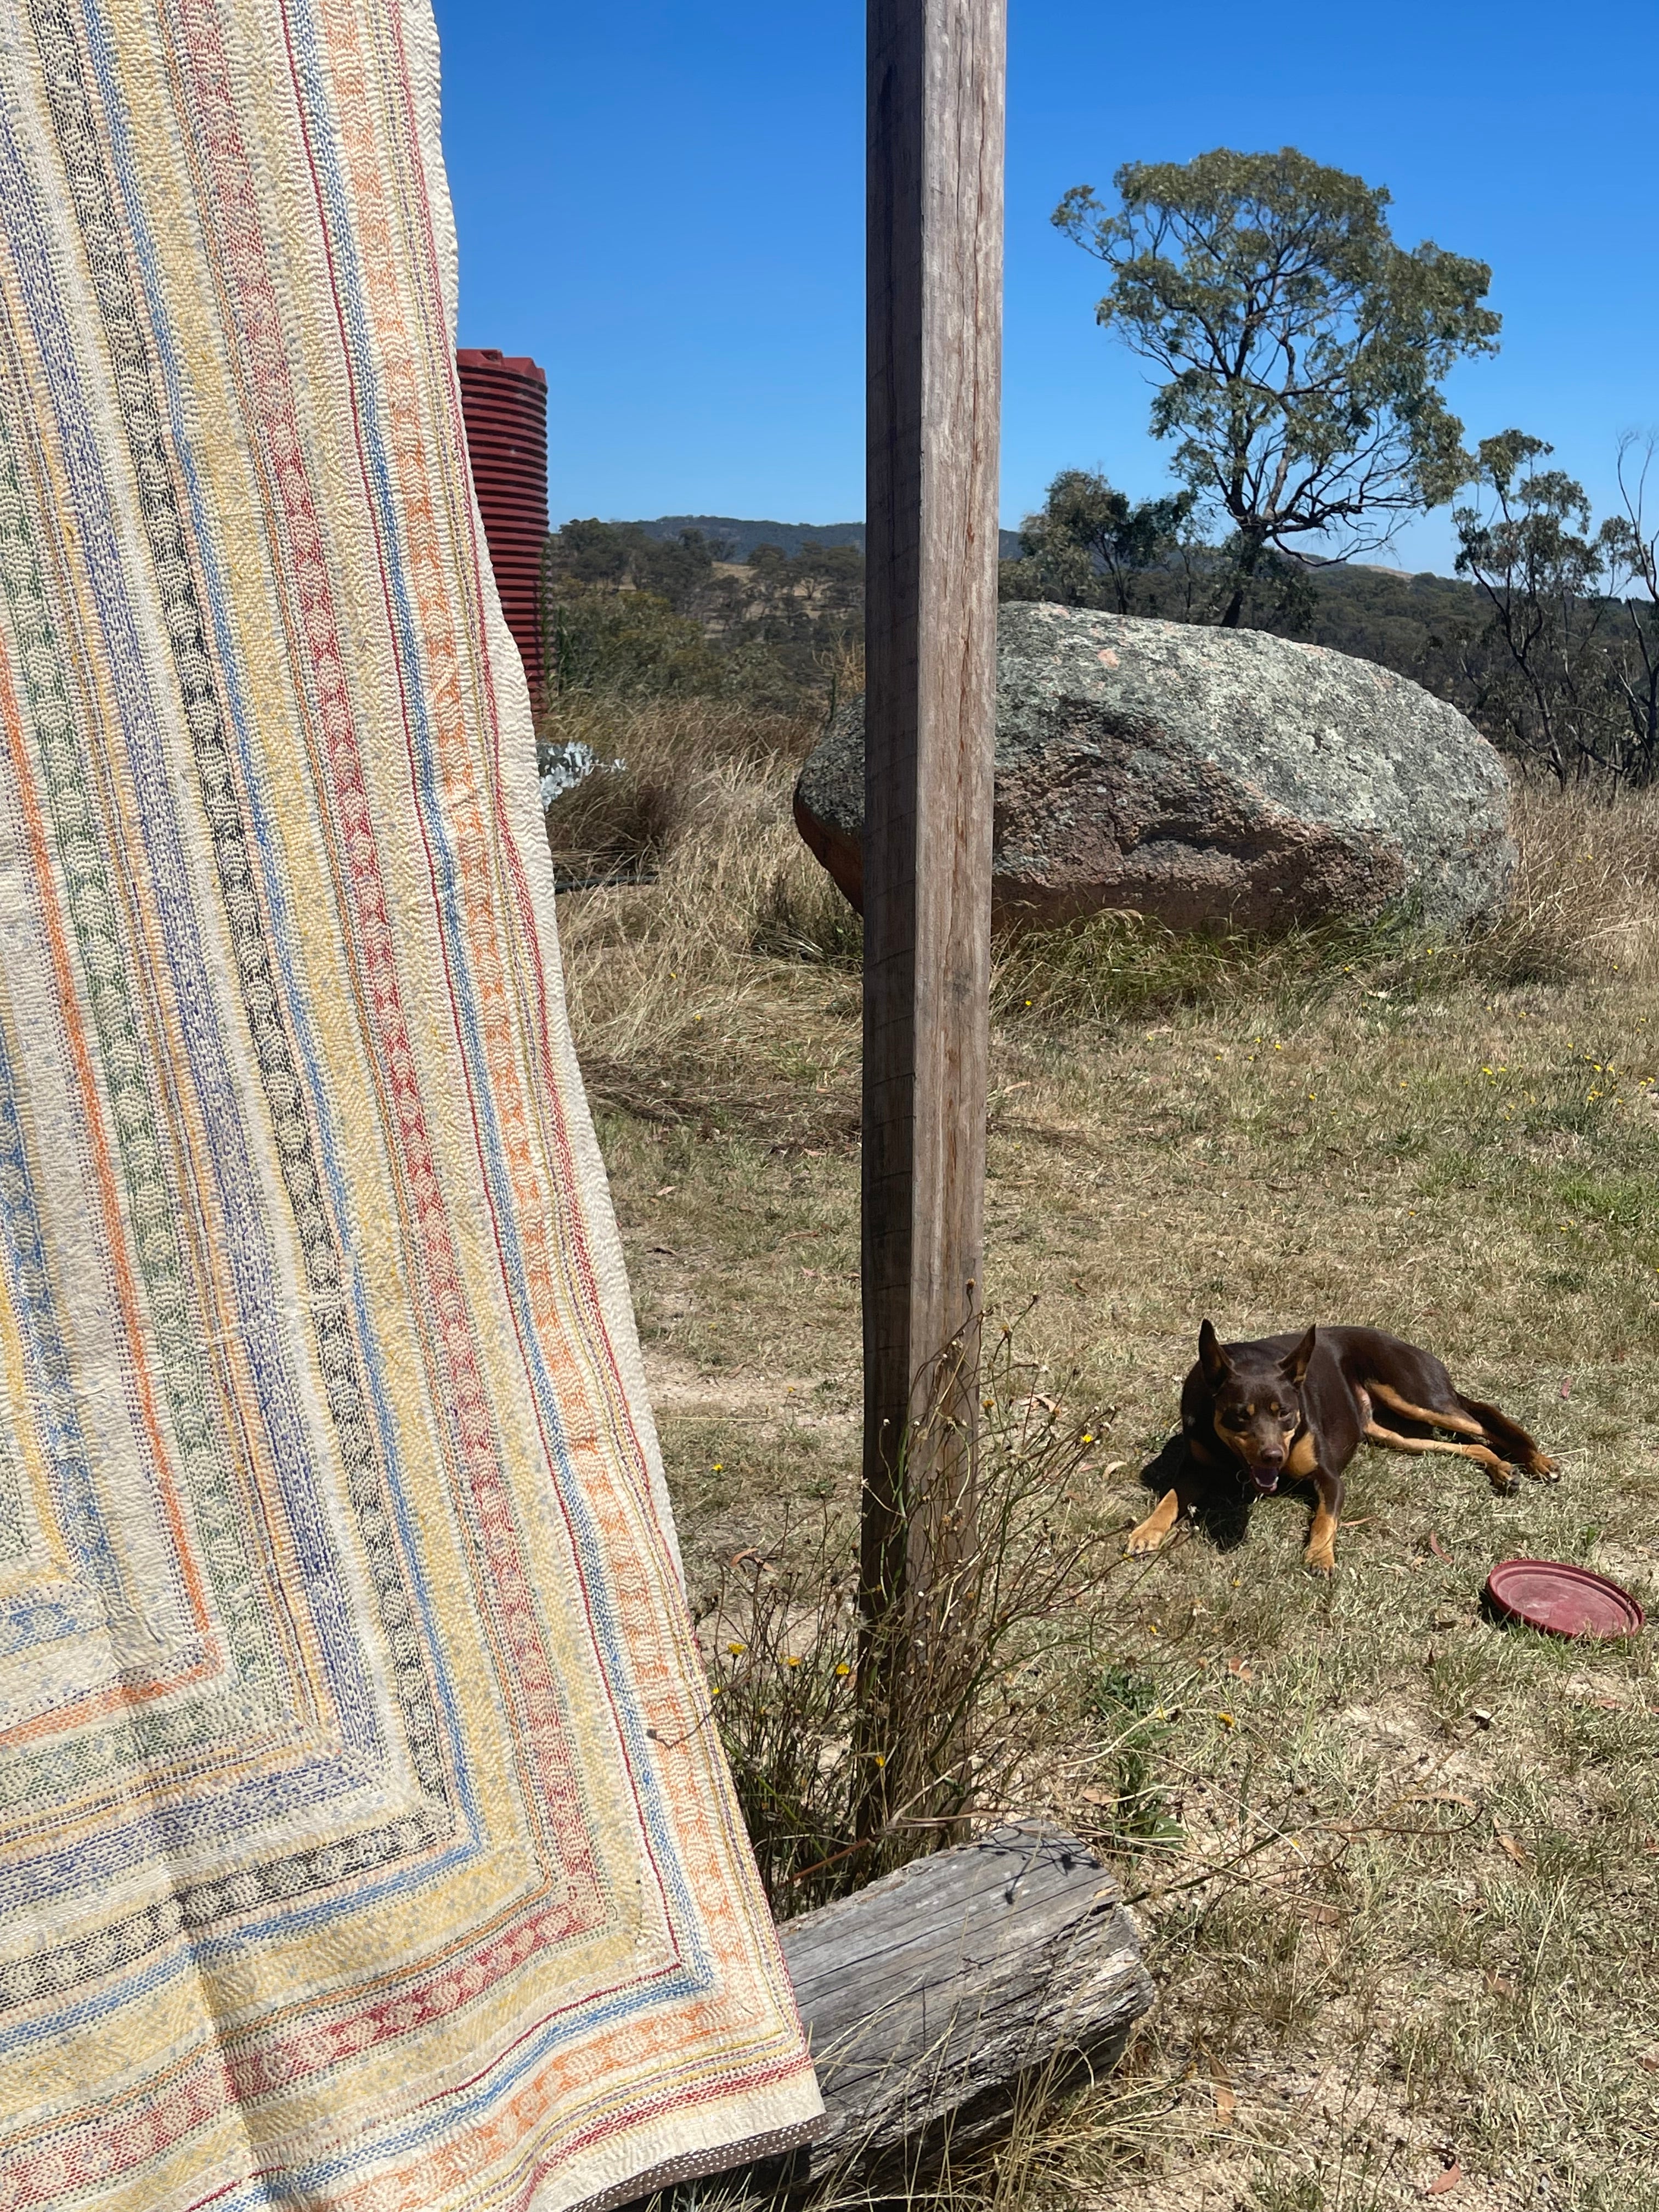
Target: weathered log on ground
x=936, y=1996
x=936, y=1999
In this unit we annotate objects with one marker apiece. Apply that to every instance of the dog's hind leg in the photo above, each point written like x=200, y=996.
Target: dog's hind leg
x=1454, y=1416
x=1423, y=1390
x=1501, y=1478
x=1509, y=1437
x=1443, y=1407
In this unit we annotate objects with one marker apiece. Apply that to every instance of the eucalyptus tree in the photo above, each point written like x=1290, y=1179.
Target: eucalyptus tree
x=1302, y=351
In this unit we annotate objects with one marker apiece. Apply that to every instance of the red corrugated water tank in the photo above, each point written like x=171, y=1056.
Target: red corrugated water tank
x=504, y=401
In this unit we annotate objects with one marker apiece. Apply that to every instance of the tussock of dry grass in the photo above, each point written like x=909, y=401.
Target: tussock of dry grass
x=1413, y=1911
x=714, y=988
x=668, y=769
x=1586, y=898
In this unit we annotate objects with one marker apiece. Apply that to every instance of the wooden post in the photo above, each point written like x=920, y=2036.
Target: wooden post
x=937, y=71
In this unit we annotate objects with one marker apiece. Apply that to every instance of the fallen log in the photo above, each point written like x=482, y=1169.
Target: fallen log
x=937, y=1997
x=936, y=2001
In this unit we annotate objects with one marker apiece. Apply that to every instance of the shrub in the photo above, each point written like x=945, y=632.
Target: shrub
x=981, y=1703
x=625, y=645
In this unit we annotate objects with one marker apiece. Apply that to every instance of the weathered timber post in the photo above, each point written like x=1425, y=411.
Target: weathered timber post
x=937, y=72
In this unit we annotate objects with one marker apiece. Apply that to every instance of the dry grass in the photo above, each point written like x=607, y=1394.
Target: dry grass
x=654, y=969
x=666, y=768
x=1413, y=1916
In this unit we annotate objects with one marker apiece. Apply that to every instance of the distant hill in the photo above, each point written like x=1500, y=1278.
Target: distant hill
x=744, y=536
x=789, y=536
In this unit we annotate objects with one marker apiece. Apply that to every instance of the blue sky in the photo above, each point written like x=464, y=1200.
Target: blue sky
x=662, y=203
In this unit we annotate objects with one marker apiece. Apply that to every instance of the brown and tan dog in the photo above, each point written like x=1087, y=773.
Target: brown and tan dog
x=1252, y=1414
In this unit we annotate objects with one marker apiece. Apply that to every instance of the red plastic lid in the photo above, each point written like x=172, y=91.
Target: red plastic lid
x=1563, y=1601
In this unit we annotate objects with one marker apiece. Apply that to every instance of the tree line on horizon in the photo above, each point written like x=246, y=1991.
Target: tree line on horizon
x=1303, y=354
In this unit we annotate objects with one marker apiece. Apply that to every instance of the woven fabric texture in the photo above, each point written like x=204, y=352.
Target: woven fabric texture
x=362, y=1842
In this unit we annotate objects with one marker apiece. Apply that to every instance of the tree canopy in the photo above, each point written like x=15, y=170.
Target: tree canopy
x=1303, y=350
x=1090, y=544
x=629, y=613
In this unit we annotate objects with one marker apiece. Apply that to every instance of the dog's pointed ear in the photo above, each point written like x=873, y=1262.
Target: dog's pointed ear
x=1214, y=1362
x=1295, y=1363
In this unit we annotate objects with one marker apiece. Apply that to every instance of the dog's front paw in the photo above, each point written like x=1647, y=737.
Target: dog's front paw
x=1152, y=1534
x=1320, y=1562
x=1543, y=1468
x=1505, y=1481
x=1141, y=1542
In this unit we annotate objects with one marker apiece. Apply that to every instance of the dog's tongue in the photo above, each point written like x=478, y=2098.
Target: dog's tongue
x=1266, y=1479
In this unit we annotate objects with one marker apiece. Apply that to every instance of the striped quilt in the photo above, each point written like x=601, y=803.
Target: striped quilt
x=362, y=1843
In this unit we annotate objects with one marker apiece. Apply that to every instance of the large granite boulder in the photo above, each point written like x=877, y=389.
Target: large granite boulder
x=1206, y=777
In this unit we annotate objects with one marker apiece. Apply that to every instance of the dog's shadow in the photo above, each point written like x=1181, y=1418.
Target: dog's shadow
x=1221, y=1510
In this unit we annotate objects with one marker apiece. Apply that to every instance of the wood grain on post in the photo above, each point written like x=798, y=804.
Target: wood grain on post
x=937, y=74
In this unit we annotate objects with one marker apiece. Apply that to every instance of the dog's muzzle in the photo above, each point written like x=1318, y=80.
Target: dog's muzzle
x=1265, y=1479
